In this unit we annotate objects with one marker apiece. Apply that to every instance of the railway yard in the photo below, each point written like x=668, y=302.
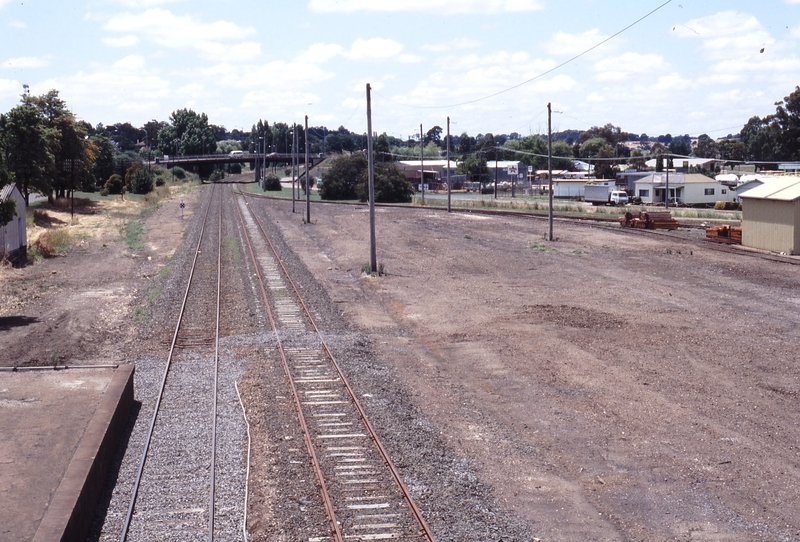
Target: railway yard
x=612, y=384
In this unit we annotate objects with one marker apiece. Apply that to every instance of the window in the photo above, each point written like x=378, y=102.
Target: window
x=709, y=192
x=644, y=193
x=724, y=191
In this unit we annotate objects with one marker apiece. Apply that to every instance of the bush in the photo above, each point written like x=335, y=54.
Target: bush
x=179, y=173
x=216, y=175
x=391, y=186
x=114, y=185
x=719, y=206
x=142, y=182
x=287, y=172
x=340, y=180
x=272, y=182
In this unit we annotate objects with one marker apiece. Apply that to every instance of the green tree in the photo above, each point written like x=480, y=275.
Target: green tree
x=466, y=144
x=383, y=153
x=474, y=167
x=27, y=150
x=534, y=151
x=8, y=207
x=391, y=186
x=142, y=181
x=706, y=148
x=340, y=180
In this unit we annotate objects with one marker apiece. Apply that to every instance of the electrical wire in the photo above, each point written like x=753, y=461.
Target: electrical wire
x=534, y=78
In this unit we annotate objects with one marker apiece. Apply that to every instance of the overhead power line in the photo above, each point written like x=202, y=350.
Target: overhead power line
x=539, y=76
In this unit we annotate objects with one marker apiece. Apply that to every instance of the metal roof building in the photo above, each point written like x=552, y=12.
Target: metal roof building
x=771, y=216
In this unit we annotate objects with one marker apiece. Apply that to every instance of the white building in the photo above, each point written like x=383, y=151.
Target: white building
x=13, y=236
x=684, y=188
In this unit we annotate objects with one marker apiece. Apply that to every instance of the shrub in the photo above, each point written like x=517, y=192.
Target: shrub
x=391, y=185
x=179, y=173
x=272, y=182
x=216, y=175
x=142, y=181
x=114, y=184
x=719, y=206
x=339, y=181
x=287, y=172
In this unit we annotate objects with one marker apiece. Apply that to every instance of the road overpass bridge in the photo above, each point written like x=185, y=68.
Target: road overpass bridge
x=272, y=158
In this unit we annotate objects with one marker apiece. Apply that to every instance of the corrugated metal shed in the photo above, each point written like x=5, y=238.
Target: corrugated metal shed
x=782, y=188
x=771, y=216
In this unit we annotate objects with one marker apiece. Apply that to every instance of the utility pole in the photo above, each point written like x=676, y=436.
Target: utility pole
x=550, y=167
x=666, y=192
x=448, y=164
x=294, y=159
x=495, y=173
x=373, y=258
x=422, y=163
x=308, y=184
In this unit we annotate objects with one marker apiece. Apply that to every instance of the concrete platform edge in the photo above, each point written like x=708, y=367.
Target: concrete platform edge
x=71, y=511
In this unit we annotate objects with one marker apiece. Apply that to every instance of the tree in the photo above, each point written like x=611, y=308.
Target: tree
x=142, y=181
x=706, y=148
x=474, y=167
x=434, y=135
x=340, y=180
x=681, y=145
x=466, y=144
x=27, y=150
x=383, y=153
x=534, y=145
x=391, y=186
x=8, y=207
x=192, y=132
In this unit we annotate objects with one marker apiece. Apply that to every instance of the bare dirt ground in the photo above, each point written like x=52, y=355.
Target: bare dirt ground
x=79, y=306
x=607, y=386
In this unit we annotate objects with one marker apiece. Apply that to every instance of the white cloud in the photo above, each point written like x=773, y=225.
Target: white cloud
x=565, y=44
x=439, y=7
x=10, y=88
x=143, y=4
x=19, y=25
x=25, y=62
x=127, y=85
x=727, y=35
x=319, y=53
x=4, y=3
x=409, y=59
x=167, y=30
x=374, y=49
x=122, y=41
x=629, y=65
x=458, y=44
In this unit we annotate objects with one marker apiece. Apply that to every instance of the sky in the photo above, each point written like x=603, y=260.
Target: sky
x=648, y=66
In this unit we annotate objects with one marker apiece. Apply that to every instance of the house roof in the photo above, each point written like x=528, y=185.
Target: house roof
x=676, y=179
x=6, y=191
x=782, y=189
x=431, y=163
x=678, y=162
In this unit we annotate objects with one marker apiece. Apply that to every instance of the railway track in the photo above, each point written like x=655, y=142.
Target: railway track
x=360, y=490
x=173, y=496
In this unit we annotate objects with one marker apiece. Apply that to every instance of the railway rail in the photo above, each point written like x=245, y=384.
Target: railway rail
x=361, y=491
x=173, y=496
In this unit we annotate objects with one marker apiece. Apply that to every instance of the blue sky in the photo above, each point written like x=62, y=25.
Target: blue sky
x=692, y=66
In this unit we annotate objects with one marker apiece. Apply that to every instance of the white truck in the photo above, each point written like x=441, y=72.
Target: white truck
x=604, y=193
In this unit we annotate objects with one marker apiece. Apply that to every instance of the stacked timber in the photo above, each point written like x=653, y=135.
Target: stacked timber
x=660, y=220
x=725, y=234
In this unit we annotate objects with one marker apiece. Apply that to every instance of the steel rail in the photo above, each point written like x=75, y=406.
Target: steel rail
x=167, y=365
x=322, y=486
x=216, y=374
x=426, y=531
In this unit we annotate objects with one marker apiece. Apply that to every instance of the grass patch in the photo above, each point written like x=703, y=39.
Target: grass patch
x=541, y=247
x=134, y=234
x=467, y=236
x=139, y=316
x=367, y=270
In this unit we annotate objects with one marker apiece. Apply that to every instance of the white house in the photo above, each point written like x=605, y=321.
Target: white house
x=684, y=188
x=13, y=236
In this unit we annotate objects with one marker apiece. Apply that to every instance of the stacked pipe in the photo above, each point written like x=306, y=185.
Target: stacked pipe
x=660, y=220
